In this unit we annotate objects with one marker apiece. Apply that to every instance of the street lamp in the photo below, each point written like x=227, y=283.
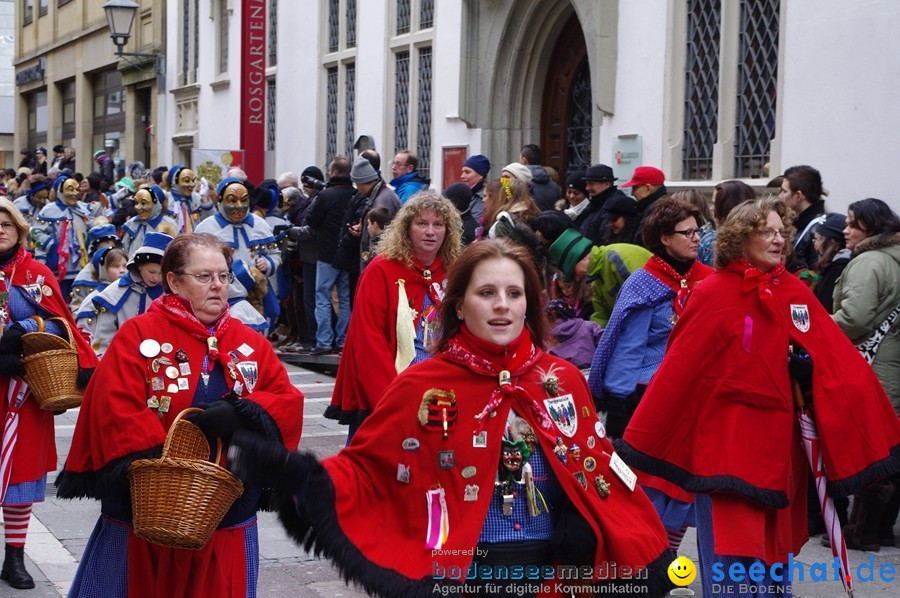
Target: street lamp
x=120, y=15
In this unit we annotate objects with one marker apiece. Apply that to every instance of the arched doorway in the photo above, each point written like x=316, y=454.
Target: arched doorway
x=566, y=108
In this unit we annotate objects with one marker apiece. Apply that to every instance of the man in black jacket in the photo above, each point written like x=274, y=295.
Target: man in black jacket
x=802, y=191
x=591, y=222
x=648, y=186
x=326, y=218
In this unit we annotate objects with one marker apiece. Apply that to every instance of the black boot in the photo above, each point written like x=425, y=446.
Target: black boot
x=14, y=572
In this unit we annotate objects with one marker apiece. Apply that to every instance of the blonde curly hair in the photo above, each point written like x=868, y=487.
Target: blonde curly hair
x=395, y=242
x=747, y=219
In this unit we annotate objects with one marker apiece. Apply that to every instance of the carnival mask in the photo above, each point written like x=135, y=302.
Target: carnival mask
x=71, y=191
x=39, y=198
x=186, y=180
x=235, y=203
x=512, y=458
x=143, y=204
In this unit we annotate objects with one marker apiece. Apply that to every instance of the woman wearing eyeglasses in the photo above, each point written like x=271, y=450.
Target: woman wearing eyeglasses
x=634, y=341
x=187, y=350
x=718, y=419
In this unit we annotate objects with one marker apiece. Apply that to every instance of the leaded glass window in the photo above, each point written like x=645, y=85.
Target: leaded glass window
x=403, y=14
x=426, y=14
x=423, y=124
x=401, y=100
x=273, y=32
x=578, y=129
x=185, y=41
x=270, y=114
x=349, y=108
x=701, y=88
x=351, y=24
x=757, y=85
x=333, y=26
x=331, y=108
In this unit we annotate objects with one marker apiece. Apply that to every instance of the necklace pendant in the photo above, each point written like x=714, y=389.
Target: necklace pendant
x=426, y=273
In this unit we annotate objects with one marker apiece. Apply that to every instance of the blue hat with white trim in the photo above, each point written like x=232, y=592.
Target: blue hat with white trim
x=152, y=250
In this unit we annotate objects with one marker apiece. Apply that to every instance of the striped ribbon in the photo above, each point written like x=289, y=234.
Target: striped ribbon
x=16, y=394
x=62, y=250
x=438, y=520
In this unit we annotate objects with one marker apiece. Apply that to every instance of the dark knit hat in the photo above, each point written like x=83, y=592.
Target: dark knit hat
x=576, y=181
x=314, y=172
x=569, y=249
x=479, y=164
x=833, y=227
x=620, y=205
x=551, y=224
x=460, y=195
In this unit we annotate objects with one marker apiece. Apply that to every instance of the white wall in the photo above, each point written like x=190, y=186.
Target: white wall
x=300, y=87
x=842, y=96
x=640, y=80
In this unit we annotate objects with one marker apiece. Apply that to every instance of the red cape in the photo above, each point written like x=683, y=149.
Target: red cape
x=718, y=416
x=35, y=452
x=367, y=362
x=371, y=505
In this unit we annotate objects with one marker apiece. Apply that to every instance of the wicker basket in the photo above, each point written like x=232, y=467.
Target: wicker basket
x=180, y=498
x=51, y=367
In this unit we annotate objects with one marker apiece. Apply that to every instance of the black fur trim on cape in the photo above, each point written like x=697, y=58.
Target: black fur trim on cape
x=346, y=418
x=311, y=521
x=876, y=471
x=691, y=483
x=258, y=419
x=109, y=481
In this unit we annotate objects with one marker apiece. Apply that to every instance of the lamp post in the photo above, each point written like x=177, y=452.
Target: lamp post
x=120, y=16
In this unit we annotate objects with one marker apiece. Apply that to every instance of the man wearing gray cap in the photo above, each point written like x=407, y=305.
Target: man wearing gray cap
x=372, y=192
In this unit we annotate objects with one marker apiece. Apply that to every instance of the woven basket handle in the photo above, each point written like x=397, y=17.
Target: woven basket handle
x=40, y=322
x=170, y=435
x=65, y=324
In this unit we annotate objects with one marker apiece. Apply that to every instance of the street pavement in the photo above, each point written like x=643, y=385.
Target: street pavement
x=60, y=528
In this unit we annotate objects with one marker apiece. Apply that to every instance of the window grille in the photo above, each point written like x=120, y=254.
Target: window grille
x=426, y=14
x=701, y=88
x=273, y=32
x=401, y=101
x=270, y=114
x=331, y=109
x=185, y=40
x=349, y=107
x=333, y=26
x=351, y=23
x=403, y=16
x=223, y=36
x=757, y=85
x=578, y=129
x=423, y=128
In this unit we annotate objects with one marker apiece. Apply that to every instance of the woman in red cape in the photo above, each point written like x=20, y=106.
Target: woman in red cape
x=28, y=292
x=486, y=459
x=185, y=351
x=397, y=299
x=718, y=419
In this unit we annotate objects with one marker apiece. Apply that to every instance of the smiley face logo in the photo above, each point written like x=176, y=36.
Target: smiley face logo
x=682, y=571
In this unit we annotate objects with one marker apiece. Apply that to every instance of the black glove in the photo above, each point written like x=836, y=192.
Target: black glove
x=11, y=365
x=84, y=376
x=11, y=341
x=217, y=419
x=800, y=367
x=264, y=462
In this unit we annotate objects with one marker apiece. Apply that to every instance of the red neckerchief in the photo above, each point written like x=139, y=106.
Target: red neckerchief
x=506, y=363
x=178, y=310
x=754, y=278
x=682, y=284
x=426, y=278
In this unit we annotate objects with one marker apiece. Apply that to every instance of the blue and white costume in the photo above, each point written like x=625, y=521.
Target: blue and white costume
x=186, y=211
x=244, y=283
x=53, y=220
x=134, y=229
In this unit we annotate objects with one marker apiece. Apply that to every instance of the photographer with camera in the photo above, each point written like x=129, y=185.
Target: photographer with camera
x=300, y=253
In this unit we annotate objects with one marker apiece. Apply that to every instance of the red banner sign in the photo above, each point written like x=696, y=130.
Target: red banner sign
x=253, y=87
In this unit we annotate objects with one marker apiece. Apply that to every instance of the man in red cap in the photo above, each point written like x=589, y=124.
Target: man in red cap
x=648, y=186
